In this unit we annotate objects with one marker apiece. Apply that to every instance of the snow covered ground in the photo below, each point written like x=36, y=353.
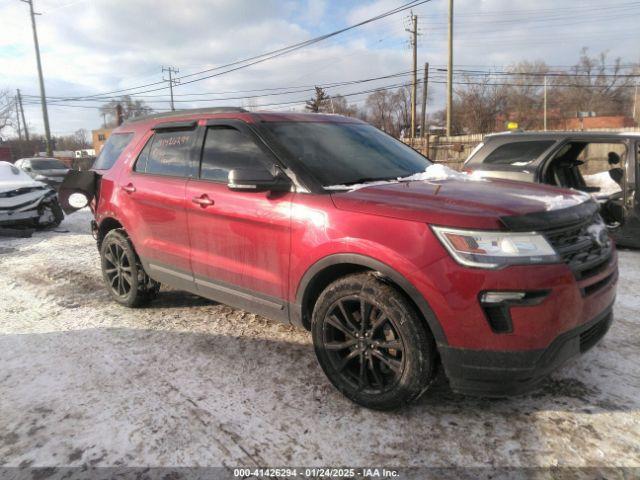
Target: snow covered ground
x=189, y=382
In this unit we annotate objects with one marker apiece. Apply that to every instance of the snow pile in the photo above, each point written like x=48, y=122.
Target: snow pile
x=557, y=202
x=604, y=181
x=433, y=173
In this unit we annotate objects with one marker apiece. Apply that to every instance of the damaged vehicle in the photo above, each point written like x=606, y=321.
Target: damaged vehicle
x=26, y=203
x=600, y=163
x=396, y=265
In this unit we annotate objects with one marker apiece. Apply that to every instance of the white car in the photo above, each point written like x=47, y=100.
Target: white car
x=25, y=202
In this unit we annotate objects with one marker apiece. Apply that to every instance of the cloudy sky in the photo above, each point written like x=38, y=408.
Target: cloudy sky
x=93, y=47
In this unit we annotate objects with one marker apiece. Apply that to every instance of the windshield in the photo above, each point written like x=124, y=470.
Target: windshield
x=347, y=153
x=47, y=164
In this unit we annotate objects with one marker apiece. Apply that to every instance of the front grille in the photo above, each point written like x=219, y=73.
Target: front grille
x=593, y=334
x=585, y=247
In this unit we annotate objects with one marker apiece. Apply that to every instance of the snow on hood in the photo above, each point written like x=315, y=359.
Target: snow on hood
x=12, y=178
x=433, y=173
x=557, y=202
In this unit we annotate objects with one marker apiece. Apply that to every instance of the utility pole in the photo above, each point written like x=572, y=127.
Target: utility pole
x=43, y=97
x=545, y=104
x=635, y=104
x=414, y=83
x=425, y=84
x=450, y=71
x=18, y=119
x=104, y=120
x=172, y=81
x=24, y=122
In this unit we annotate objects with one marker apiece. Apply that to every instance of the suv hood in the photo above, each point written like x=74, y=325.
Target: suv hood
x=457, y=200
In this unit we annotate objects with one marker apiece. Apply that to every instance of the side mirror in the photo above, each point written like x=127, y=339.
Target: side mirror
x=257, y=180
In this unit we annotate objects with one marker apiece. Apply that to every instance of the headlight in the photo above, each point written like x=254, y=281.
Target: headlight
x=494, y=249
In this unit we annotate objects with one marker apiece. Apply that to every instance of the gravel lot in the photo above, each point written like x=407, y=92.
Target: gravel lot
x=187, y=382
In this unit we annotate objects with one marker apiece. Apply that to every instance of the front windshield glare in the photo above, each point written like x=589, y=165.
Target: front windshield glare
x=347, y=153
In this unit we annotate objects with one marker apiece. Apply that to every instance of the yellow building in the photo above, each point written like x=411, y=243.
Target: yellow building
x=100, y=136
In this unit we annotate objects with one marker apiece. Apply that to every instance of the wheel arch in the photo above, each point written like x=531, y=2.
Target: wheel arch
x=332, y=267
x=105, y=226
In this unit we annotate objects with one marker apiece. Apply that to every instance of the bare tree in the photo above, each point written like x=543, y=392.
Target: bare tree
x=523, y=95
x=131, y=108
x=338, y=105
x=477, y=106
x=7, y=110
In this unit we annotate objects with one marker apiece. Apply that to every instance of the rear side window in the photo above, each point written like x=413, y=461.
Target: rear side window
x=112, y=150
x=226, y=148
x=518, y=153
x=167, y=153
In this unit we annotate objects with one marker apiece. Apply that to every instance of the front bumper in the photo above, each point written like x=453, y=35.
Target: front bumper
x=503, y=373
x=15, y=218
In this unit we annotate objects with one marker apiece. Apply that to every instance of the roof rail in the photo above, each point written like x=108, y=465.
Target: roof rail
x=177, y=113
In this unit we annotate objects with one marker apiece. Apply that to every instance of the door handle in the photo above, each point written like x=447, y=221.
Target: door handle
x=203, y=200
x=129, y=188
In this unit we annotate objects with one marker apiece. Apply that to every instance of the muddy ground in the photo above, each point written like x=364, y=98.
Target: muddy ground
x=189, y=382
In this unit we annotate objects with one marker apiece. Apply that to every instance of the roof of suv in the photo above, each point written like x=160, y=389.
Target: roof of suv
x=557, y=135
x=239, y=113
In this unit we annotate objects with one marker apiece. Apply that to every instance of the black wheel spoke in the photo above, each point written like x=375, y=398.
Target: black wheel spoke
x=392, y=363
x=336, y=323
x=362, y=375
x=374, y=371
x=340, y=345
x=365, y=310
x=347, y=359
x=348, y=319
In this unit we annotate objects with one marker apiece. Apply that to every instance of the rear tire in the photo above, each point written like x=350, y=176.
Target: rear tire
x=382, y=363
x=122, y=272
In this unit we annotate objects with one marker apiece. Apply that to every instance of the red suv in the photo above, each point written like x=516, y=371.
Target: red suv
x=395, y=264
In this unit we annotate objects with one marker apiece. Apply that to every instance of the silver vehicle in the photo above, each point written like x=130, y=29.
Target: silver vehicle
x=44, y=169
x=601, y=163
x=25, y=202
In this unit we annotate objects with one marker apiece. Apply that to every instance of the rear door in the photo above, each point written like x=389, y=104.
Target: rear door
x=240, y=241
x=152, y=199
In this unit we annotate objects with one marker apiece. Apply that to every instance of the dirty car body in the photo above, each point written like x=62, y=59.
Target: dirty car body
x=325, y=222
x=563, y=159
x=25, y=202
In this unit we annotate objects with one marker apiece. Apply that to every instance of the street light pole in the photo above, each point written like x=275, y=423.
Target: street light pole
x=43, y=98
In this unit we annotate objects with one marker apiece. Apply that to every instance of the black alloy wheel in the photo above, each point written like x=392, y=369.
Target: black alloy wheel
x=372, y=343
x=123, y=273
x=364, y=344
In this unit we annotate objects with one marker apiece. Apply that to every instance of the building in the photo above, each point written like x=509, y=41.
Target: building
x=99, y=137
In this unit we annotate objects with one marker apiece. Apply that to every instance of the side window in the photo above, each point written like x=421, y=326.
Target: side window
x=167, y=153
x=112, y=150
x=518, y=153
x=226, y=148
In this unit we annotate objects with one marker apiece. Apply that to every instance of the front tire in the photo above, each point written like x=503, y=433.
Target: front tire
x=371, y=342
x=122, y=271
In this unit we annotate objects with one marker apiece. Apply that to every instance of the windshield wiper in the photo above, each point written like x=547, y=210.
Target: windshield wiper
x=368, y=180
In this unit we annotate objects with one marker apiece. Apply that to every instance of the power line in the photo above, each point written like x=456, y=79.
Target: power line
x=240, y=64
